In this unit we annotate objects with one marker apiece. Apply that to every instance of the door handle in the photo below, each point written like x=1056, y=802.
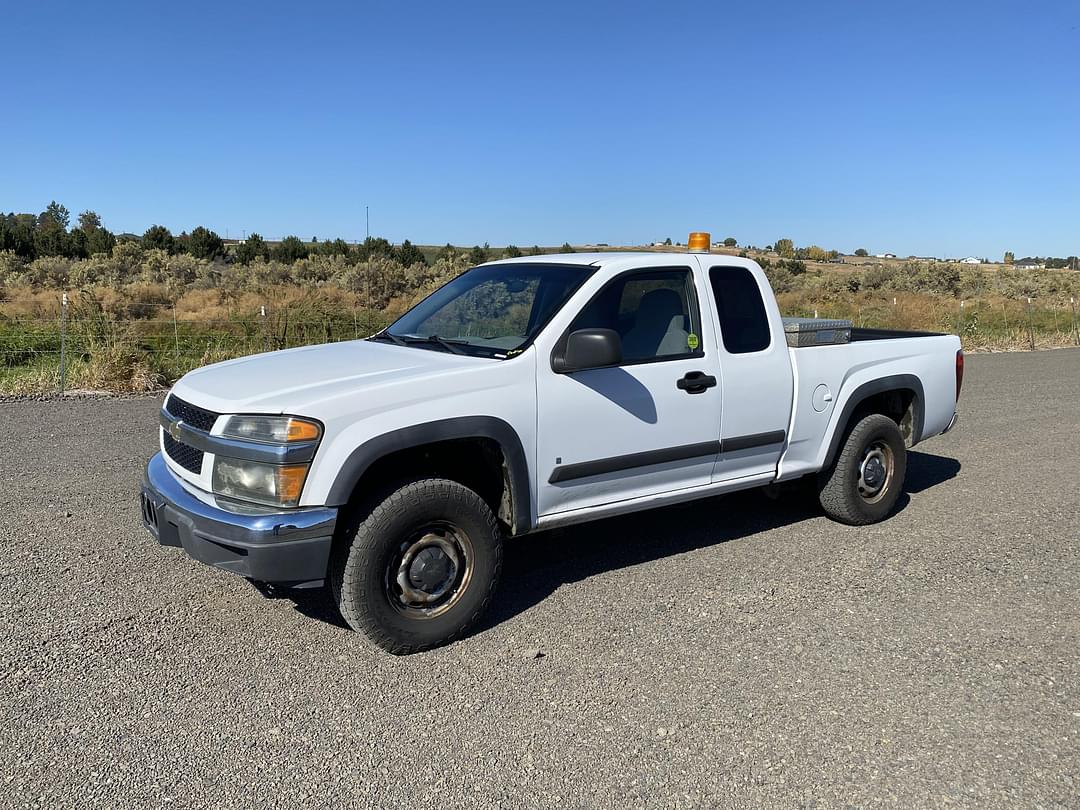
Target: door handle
x=695, y=382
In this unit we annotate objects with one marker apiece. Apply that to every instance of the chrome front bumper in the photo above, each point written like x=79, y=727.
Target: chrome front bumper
x=287, y=546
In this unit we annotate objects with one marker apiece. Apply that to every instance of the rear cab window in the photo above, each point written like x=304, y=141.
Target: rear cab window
x=744, y=324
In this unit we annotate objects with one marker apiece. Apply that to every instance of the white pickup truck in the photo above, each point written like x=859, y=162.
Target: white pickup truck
x=523, y=395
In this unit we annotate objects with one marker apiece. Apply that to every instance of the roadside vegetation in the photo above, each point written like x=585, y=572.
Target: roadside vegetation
x=142, y=310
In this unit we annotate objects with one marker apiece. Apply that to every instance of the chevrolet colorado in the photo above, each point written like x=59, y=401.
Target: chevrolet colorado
x=523, y=395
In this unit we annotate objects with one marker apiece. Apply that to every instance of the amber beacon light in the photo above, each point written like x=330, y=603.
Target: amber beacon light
x=698, y=242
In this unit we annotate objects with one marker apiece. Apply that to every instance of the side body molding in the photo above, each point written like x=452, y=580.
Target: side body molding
x=896, y=382
x=462, y=427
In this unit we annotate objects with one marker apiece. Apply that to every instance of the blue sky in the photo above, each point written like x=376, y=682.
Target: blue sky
x=946, y=128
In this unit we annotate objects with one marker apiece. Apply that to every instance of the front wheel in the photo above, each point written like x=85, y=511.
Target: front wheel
x=419, y=568
x=868, y=476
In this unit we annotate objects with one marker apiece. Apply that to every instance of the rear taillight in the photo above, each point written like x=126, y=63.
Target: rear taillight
x=959, y=372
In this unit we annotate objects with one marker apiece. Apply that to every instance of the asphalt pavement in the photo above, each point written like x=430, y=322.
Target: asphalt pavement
x=726, y=653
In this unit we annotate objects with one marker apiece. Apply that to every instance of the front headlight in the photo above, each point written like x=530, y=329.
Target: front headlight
x=272, y=429
x=271, y=484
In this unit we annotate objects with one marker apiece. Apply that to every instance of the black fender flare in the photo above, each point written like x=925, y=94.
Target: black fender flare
x=895, y=382
x=462, y=427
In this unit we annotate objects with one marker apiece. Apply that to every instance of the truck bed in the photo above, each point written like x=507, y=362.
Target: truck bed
x=827, y=376
x=864, y=333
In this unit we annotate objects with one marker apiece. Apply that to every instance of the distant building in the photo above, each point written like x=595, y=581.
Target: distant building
x=884, y=255
x=1030, y=264
x=971, y=260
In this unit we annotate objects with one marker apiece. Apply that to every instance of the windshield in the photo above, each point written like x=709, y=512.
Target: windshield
x=490, y=311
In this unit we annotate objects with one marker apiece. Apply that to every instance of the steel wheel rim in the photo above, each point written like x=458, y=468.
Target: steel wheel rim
x=430, y=571
x=876, y=469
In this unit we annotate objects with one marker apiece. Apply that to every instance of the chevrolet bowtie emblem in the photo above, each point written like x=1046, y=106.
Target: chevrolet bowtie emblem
x=174, y=429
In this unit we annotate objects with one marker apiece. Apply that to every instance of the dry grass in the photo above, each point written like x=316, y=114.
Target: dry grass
x=143, y=334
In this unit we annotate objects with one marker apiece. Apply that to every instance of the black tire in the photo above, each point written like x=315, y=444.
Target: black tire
x=379, y=591
x=849, y=491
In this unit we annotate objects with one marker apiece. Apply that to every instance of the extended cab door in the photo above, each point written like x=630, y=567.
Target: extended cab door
x=627, y=431
x=758, y=380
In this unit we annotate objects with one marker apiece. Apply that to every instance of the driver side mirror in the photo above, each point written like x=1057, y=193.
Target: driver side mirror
x=589, y=348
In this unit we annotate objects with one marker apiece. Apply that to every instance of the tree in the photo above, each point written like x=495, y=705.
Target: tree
x=667, y=241
x=89, y=221
x=512, y=252
x=251, y=249
x=77, y=244
x=536, y=251
x=339, y=247
x=566, y=248
x=55, y=214
x=1009, y=257
x=731, y=241
x=51, y=240
x=100, y=240
x=478, y=255
x=290, y=249
x=205, y=244
x=160, y=237
x=448, y=253
x=17, y=235
x=375, y=246
x=409, y=254
x=862, y=252
x=785, y=248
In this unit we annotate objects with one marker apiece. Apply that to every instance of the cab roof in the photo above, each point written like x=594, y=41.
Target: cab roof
x=611, y=256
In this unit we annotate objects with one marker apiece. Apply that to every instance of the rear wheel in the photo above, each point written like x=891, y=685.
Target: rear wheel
x=863, y=485
x=419, y=568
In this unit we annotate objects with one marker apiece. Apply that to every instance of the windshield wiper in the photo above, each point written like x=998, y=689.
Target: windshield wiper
x=449, y=345
x=385, y=335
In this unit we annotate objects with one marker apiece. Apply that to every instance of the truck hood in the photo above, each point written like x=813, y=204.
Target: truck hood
x=298, y=380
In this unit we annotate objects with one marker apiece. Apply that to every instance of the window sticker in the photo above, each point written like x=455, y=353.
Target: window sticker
x=692, y=341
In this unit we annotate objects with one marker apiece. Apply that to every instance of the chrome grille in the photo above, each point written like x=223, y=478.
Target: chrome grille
x=193, y=415
x=187, y=457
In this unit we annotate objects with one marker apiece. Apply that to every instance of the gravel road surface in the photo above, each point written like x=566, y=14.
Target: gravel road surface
x=722, y=654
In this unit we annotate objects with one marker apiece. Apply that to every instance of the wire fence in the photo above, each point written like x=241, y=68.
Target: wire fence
x=54, y=352
x=139, y=345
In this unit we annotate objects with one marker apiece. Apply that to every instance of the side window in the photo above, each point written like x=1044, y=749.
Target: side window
x=744, y=325
x=654, y=312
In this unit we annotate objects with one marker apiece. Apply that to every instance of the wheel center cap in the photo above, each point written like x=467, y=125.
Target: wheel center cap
x=874, y=472
x=431, y=569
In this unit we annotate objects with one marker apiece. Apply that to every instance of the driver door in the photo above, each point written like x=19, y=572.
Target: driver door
x=629, y=431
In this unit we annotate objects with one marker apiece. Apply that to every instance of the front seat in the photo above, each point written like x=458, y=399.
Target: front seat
x=659, y=328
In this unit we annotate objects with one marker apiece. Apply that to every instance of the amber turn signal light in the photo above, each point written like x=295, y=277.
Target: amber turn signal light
x=301, y=431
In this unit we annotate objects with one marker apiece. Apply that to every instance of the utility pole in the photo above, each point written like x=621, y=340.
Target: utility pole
x=367, y=224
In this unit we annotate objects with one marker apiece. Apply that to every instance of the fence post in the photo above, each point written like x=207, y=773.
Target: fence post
x=63, y=342
x=1031, y=326
x=266, y=333
x=176, y=338
x=1076, y=332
